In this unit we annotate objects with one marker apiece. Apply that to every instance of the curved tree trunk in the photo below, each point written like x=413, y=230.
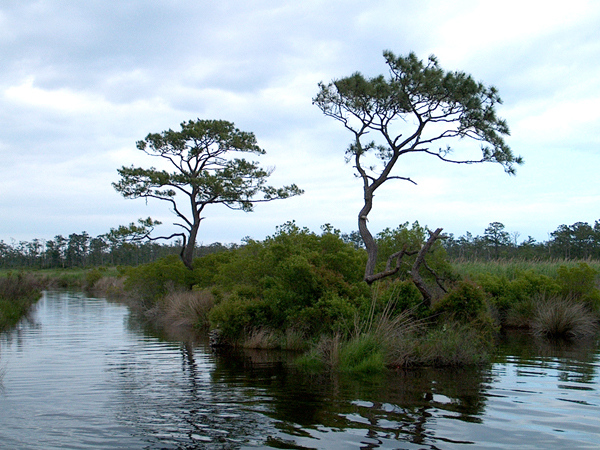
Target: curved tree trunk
x=187, y=252
x=367, y=237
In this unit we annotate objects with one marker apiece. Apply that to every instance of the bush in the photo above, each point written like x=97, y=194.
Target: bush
x=329, y=315
x=151, y=282
x=463, y=303
x=579, y=283
x=92, y=276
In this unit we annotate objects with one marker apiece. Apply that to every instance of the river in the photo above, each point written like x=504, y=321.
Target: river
x=82, y=373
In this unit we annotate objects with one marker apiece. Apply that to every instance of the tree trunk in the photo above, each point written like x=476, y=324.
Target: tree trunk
x=187, y=252
x=367, y=237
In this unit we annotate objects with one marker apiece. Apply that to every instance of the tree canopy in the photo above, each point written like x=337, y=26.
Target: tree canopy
x=203, y=173
x=420, y=108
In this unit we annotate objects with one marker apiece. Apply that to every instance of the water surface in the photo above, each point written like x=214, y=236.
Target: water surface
x=84, y=374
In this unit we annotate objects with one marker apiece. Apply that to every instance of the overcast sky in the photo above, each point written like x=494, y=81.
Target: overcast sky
x=82, y=81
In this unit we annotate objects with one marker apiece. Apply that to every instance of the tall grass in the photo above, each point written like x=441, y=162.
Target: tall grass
x=511, y=268
x=17, y=294
x=562, y=317
x=187, y=309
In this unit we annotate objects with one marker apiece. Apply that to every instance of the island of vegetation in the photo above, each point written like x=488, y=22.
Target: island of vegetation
x=358, y=302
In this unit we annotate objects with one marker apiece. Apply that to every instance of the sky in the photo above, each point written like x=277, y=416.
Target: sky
x=82, y=81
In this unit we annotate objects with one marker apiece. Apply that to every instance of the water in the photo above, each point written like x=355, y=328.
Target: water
x=82, y=374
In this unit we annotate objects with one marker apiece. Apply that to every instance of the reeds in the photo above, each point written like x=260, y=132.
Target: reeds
x=511, y=268
x=186, y=309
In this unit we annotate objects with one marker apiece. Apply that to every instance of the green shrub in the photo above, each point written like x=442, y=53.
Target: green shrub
x=330, y=314
x=463, y=303
x=231, y=316
x=151, y=282
x=397, y=296
x=92, y=276
x=453, y=344
x=579, y=283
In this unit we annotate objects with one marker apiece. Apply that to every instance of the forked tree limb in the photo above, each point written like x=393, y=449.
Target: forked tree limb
x=415, y=275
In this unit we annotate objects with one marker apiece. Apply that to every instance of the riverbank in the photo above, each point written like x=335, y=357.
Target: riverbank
x=301, y=291
x=18, y=293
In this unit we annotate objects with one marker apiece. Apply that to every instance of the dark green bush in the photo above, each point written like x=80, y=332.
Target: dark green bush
x=151, y=282
x=579, y=283
x=509, y=294
x=463, y=303
x=92, y=276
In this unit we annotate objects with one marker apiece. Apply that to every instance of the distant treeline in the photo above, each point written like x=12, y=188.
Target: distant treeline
x=578, y=241
x=83, y=250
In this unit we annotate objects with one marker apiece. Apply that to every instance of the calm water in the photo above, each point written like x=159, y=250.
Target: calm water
x=82, y=374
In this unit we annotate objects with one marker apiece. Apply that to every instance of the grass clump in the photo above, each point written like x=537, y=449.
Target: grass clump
x=188, y=309
x=560, y=317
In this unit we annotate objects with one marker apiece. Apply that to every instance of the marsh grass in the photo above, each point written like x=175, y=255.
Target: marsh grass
x=511, y=268
x=186, y=309
x=263, y=339
x=18, y=292
x=562, y=317
x=109, y=286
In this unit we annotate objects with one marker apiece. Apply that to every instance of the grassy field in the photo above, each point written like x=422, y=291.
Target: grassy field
x=512, y=268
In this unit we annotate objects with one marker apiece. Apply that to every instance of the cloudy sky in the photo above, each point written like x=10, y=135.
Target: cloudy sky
x=82, y=81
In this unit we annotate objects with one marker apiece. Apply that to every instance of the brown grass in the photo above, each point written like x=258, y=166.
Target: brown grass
x=563, y=317
x=187, y=309
x=112, y=287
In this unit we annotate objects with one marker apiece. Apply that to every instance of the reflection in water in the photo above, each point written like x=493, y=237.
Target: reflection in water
x=85, y=374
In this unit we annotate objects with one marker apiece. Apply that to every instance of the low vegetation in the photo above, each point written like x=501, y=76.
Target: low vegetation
x=298, y=290
x=303, y=291
x=18, y=292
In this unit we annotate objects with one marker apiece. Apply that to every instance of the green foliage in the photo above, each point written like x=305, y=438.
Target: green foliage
x=411, y=238
x=453, y=344
x=293, y=277
x=579, y=283
x=506, y=294
x=463, y=303
x=17, y=294
x=402, y=296
x=328, y=315
x=92, y=276
x=151, y=282
x=232, y=317
x=363, y=354
x=205, y=174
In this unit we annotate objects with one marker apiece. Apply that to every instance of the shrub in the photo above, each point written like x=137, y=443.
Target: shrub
x=579, y=283
x=151, y=282
x=330, y=314
x=17, y=295
x=463, y=303
x=92, y=276
x=231, y=316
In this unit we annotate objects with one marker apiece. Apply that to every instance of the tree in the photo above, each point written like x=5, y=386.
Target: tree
x=495, y=235
x=418, y=107
x=204, y=174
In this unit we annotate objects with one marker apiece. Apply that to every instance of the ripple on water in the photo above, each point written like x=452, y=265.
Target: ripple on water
x=85, y=375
